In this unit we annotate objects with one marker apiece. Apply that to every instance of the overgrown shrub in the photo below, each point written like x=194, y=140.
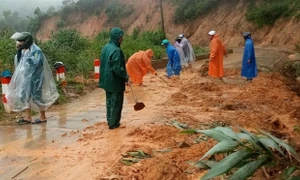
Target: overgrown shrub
x=69, y=47
x=116, y=10
x=268, y=11
x=143, y=41
x=191, y=9
x=8, y=50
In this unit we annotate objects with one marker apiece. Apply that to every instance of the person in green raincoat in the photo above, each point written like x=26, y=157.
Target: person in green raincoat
x=113, y=77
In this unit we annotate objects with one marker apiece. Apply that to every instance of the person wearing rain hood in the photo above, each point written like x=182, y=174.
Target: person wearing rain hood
x=217, y=51
x=188, y=52
x=179, y=49
x=249, y=68
x=113, y=77
x=32, y=85
x=138, y=65
x=173, y=66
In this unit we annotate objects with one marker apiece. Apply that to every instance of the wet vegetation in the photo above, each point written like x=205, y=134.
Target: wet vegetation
x=191, y=9
x=244, y=153
x=268, y=12
x=261, y=13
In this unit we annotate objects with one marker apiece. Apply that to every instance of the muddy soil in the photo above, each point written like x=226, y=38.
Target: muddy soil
x=89, y=150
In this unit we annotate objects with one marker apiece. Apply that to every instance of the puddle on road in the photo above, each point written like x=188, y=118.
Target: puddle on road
x=64, y=119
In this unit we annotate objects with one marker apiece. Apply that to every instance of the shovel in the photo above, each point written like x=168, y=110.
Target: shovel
x=165, y=81
x=138, y=105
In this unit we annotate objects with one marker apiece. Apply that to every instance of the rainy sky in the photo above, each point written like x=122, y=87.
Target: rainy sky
x=23, y=6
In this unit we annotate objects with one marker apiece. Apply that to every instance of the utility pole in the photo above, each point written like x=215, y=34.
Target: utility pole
x=162, y=18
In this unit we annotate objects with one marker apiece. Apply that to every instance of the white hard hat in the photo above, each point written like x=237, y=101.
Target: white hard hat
x=16, y=36
x=181, y=35
x=212, y=33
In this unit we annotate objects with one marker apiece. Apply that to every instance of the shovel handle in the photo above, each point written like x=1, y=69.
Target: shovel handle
x=164, y=81
x=133, y=94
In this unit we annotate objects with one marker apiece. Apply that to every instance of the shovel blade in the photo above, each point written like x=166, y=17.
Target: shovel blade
x=139, y=106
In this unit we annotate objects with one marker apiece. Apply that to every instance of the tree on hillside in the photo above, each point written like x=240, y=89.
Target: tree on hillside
x=13, y=21
x=51, y=11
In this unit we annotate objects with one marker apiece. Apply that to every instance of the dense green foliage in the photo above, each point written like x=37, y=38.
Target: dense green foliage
x=268, y=11
x=70, y=48
x=191, y=9
x=8, y=50
x=115, y=11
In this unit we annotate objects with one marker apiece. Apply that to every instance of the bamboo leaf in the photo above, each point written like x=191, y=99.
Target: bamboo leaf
x=189, y=131
x=243, y=163
x=222, y=146
x=288, y=172
x=217, y=135
x=257, y=142
x=267, y=142
x=229, y=132
x=210, y=164
x=288, y=147
x=248, y=170
x=203, y=164
x=244, y=136
x=227, y=163
x=252, y=136
x=199, y=164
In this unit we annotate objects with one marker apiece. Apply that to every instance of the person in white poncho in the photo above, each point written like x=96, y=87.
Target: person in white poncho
x=32, y=85
x=188, y=52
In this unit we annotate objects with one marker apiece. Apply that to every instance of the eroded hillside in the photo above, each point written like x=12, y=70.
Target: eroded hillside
x=228, y=19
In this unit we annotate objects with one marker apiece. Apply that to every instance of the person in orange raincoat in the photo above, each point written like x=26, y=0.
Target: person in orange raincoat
x=217, y=51
x=138, y=65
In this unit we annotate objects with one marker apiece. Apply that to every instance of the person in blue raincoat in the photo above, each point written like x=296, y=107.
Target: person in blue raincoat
x=249, y=68
x=173, y=66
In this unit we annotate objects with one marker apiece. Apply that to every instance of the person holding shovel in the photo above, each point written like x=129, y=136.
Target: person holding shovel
x=32, y=85
x=173, y=66
x=138, y=65
x=113, y=77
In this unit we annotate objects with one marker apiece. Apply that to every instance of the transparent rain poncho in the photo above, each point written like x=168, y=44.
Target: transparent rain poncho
x=32, y=84
x=187, y=50
x=178, y=47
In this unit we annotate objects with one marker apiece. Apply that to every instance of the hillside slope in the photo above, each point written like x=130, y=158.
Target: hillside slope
x=228, y=20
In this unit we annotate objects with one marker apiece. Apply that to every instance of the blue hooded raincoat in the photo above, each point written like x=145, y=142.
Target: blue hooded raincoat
x=249, y=70
x=173, y=66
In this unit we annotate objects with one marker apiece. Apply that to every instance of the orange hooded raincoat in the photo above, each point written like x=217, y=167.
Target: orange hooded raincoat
x=217, y=51
x=138, y=65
